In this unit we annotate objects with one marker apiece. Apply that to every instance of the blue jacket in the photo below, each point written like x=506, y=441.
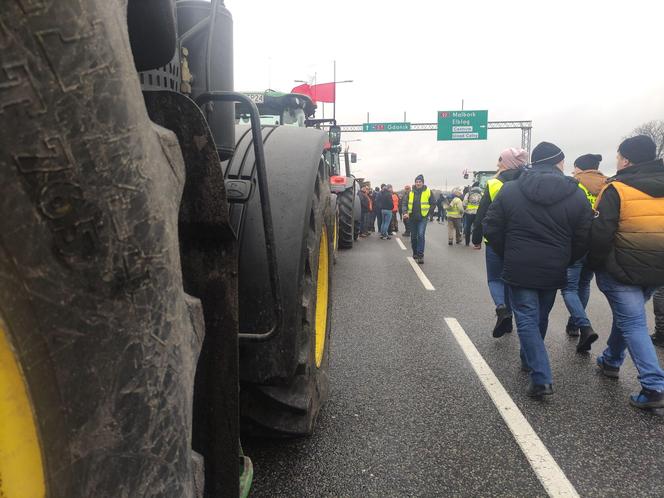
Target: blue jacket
x=539, y=224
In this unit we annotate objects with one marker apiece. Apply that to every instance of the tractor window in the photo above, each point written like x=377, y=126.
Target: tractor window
x=293, y=117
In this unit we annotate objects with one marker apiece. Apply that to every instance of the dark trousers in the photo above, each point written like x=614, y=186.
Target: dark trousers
x=406, y=224
x=658, y=304
x=468, y=221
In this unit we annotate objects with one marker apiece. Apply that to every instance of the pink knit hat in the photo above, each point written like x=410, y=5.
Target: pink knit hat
x=513, y=158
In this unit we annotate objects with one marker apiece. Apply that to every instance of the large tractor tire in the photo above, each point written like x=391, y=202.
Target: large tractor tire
x=346, y=203
x=98, y=340
x=285, y=377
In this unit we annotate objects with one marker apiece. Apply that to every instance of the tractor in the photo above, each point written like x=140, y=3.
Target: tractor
x=346, y=188
x=155, y=255
x=480, y=177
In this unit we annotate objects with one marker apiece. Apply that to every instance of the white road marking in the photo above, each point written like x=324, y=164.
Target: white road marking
x=420, y=274
x=403, y=247
x=547, y=470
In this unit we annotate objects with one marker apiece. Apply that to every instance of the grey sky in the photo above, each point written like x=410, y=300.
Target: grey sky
x=586, y=72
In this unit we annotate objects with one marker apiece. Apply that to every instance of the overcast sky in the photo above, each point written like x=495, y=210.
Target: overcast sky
x=585, y=72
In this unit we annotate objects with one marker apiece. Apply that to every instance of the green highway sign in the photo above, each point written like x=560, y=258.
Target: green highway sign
x=386, y=127
x=462, y=125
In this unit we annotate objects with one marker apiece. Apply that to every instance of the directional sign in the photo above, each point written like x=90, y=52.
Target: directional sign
x=462, y=125
x=386, y=127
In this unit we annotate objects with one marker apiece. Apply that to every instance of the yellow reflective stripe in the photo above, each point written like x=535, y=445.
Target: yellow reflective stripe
x=494, y=185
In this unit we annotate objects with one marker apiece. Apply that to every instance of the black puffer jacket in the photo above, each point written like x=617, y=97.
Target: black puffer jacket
x=539, y=224
x=384, y=200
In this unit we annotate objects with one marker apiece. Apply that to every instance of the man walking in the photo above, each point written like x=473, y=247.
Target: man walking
x=404, y=211
x=579, y=275
x=539, y=224
x=454, y=216
x=419, y=207
x=627, y=253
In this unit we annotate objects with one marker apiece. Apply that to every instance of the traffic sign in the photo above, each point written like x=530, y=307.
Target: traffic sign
x=386, y=127
x=462, y=125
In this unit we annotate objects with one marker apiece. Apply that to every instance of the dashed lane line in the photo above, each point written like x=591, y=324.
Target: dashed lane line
x=403, y=247
x=420, y=274
x=547, y=470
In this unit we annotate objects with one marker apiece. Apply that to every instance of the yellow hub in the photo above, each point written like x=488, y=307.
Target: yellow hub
x=322, y=296
x=21, y=471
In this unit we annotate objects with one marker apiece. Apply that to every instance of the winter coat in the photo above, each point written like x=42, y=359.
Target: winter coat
x=627, y=235
x=592, y=179
x=384, y=200
x=403, y=204
x=539, y=224
x=395, y=203
x=365, y=202
x=455, y=209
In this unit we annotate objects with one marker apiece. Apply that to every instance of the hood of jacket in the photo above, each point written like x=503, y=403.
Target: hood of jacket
x=592, y=179
x=646, y=177
x=545, y=184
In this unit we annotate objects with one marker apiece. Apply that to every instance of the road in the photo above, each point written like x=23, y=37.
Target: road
x=409, y=416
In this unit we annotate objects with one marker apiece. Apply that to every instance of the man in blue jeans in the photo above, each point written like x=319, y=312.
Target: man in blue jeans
x=539, y=225
x=418, y=210
x=627, y=253
x=385, y=206
x=577, y=291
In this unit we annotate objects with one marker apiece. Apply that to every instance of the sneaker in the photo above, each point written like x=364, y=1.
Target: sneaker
x=450, y=243
x=647, y=399
x=382, y=237
x=503, y=321
x=539, y=390
x=571, y=330
x=420, y=261
x=588, y=336
x=608, y=370
x=658, y=339
x=388, y=238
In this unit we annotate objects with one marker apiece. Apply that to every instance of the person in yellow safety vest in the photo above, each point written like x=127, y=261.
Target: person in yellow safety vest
x=579, y=275
x=419, y=208
x=454, y=217
x=510, y=166
x=471, y=202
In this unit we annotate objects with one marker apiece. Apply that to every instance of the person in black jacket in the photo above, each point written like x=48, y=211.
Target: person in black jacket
x=510, y=165
x=539, y=224
x=385, y=204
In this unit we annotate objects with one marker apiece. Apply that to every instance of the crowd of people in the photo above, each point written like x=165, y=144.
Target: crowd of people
x=544, y=231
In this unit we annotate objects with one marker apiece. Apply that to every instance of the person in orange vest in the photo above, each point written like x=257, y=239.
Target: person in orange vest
x=579, y=275
x=627, y=254
x=394, y=224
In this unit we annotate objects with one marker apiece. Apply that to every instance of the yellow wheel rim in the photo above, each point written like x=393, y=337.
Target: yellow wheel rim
x=322, y=296
x=21, y=471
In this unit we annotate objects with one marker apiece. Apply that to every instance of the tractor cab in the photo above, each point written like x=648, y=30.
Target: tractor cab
x=277, y=108
x=480, y=177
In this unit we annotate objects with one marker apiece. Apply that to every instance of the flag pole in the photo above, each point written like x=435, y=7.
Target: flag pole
x=334, y=79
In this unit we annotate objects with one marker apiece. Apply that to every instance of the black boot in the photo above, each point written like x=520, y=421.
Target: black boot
x=658, y=339
x=572, y=330
x=588, y=336
x=539, y=390
x=503, y=321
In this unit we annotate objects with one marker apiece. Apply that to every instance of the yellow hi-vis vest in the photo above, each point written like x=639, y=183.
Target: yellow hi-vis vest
x=591, y=197
x=425, y=196
x=494, y=185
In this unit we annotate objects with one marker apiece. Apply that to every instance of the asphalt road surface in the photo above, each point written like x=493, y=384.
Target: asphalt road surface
x=409, y=415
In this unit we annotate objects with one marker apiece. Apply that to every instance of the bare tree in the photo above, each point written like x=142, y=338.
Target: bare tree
x=655, y=130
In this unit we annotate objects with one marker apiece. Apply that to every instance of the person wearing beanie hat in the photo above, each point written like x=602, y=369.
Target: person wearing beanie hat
x=538, y=224
x=579, y=275
x=417, y=212
x=627, y=254
x=510, y=165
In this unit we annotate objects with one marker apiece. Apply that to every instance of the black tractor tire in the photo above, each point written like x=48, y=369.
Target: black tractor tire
x=345, y=202
x=289, y=407
x=103, y=337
